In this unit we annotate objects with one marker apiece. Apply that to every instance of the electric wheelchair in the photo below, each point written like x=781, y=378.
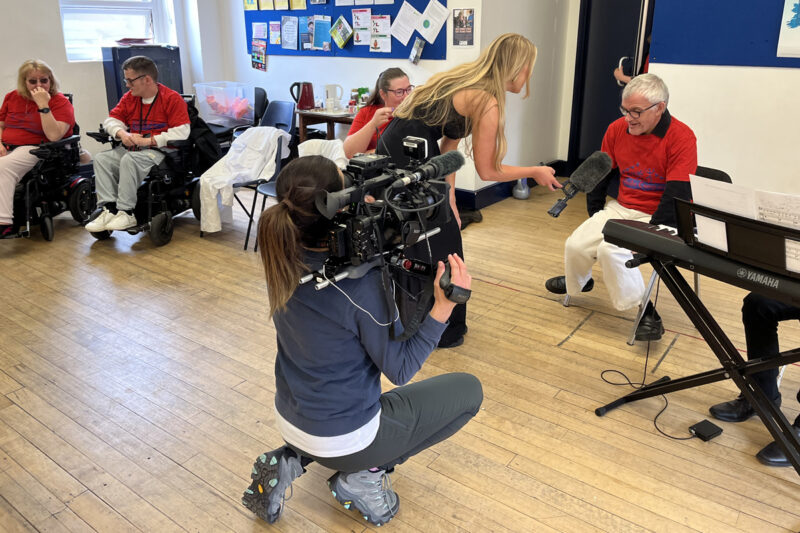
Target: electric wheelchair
x=172, y=186
x=52, y=186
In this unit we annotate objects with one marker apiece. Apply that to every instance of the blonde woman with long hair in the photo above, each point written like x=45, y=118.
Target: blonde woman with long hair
x=469, y=98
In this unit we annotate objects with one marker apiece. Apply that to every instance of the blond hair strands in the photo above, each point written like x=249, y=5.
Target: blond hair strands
x=29, y=66
x=500, y=63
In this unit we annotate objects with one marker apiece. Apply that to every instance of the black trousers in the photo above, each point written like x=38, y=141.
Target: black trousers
x=447, y=241
x=413, y=417
x=760, y=316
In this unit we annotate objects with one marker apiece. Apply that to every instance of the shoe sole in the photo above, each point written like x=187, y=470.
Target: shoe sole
x=586, y=288
x=265, y=477
x=350, y=502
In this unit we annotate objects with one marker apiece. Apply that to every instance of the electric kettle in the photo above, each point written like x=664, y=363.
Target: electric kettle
x=304, y=96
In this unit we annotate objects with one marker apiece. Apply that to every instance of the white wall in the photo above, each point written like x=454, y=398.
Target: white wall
x=32, y=30
x=746, y=119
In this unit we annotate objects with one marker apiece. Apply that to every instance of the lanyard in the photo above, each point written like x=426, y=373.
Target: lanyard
x=141, y=107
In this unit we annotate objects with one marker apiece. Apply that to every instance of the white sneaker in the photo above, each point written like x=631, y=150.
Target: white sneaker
x=121, y=221
x=99, y=224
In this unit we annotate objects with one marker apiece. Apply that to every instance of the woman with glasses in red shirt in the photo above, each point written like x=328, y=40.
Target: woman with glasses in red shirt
x=390, y=90
x=34, y=113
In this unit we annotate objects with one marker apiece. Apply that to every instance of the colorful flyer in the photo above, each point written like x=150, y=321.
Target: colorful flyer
x=250, y=5
x=305, y=28
x=341, y=31
x=274, y=32
x=258, y=54
x=322, y=35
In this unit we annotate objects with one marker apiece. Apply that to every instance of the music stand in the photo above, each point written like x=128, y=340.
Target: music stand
x=738, y=259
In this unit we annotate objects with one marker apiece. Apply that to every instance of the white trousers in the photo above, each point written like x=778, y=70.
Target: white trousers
x=12, y=167
x=586, y=245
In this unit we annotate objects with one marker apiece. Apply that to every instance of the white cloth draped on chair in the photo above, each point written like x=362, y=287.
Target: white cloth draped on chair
x=333, y=150
x=250, y=157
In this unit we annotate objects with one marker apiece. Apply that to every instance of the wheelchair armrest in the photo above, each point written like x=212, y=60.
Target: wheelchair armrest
x=48, y=149
x=100, y=136
x=185, y=143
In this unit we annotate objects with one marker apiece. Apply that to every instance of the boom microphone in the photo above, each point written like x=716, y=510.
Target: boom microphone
x=584, y=179
x=439, y=166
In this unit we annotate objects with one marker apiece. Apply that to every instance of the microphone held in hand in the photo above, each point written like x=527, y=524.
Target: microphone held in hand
x=437, y=167
x=584, y=179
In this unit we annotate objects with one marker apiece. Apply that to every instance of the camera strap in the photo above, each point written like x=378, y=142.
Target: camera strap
x=419, y=312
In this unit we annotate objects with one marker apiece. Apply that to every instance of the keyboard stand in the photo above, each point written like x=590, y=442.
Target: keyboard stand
x=733, y=365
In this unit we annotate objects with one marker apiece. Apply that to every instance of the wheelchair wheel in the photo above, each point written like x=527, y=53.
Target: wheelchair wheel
x=161, y=228
x=46, y=225
x=82, y=202
x=196, y=200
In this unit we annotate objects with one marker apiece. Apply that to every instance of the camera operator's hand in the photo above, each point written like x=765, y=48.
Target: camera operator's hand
x=546, y=176
x=442, y=307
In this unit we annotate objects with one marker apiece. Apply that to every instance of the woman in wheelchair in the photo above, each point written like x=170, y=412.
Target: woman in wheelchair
x=33, y=113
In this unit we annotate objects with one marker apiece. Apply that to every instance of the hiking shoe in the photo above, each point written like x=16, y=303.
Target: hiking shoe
x=120, y=221
x=100, y=221
x=273, y=473
x=558, y=285
x=369, y=492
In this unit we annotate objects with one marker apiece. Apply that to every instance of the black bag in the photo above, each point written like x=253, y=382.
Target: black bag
x=208, y=150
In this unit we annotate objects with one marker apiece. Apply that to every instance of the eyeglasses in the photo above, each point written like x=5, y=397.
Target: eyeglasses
x=633, y=113
x=40, y=80
x=401, y=92
x=130, y=82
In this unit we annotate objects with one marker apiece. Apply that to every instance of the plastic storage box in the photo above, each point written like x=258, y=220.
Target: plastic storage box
x=226, y=103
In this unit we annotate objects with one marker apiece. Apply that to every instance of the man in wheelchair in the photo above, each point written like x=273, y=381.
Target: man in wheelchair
x=147, y=120
x=38, y=178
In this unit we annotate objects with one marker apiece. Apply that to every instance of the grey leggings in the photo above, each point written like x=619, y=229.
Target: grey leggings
x=413, y=417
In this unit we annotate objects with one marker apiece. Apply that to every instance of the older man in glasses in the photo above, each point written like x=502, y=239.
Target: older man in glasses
x=147, y=118
x=653, y=154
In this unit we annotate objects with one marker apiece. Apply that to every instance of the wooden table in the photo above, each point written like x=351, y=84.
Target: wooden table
x=309, y=117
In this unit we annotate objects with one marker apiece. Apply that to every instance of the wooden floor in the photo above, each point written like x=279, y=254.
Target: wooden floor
x=136, y=389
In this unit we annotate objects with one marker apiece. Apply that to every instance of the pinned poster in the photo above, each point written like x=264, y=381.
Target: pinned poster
x=250, y=5
x=289, y=33
x=789, y=37
x=306, y=32
x=322, y=33
x=281, y=5
x=265, y=5
x=432, y=20
x=405, y=22
x=341, y=31
x=298, y=4
x=345, y=3
x=274, y=32
x=463, y=27
x=259, y=30
x=362, y=20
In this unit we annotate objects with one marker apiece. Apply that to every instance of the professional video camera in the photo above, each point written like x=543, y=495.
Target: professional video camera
x=383, y=209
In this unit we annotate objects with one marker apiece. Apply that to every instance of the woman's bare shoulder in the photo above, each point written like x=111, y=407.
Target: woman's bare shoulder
x=473, y=102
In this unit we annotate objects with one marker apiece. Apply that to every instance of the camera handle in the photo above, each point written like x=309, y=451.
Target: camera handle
x=454, y=293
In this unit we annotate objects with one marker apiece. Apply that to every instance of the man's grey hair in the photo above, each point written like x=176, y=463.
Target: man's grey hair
x=648, y=85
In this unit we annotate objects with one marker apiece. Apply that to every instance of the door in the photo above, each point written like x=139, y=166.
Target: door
x=608, y=30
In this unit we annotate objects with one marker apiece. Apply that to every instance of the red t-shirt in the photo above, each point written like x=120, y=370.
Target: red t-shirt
x=167, y=111
x=647, y=162
x=23, y=122
x=362, y=118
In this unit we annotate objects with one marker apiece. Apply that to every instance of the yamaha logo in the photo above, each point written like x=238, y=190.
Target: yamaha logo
x=761, y=279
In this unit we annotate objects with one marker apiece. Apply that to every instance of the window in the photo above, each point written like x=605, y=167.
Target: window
x=91, y=24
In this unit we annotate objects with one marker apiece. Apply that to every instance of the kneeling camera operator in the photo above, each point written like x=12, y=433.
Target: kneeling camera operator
x=334, y=343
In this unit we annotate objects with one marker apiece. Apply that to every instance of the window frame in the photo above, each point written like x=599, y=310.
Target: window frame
x=160, y=13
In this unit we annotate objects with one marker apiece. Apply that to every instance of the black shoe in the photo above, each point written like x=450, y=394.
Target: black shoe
x=448, y=341
x=8, y=231
x=468, y=217
x=737, y=410
x=650, y=328
x=773, y=455
x=558, y=285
